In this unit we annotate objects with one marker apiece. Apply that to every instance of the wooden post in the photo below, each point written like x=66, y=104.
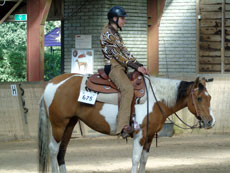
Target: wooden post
x=198, y=36
x=44, y=15
x=223, y=37
x=155, y=9
x=37, y=12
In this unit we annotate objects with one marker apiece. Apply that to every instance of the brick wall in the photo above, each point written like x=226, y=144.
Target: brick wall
x=177, y=37
x=92, y=18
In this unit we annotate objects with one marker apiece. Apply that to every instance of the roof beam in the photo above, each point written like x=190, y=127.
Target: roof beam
x=11, y=10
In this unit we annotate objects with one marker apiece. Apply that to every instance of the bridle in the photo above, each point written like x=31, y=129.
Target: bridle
x=198, y=115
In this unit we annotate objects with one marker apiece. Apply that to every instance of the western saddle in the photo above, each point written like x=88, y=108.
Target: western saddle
x=101, y=83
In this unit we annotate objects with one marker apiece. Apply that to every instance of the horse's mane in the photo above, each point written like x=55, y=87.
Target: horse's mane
x=170, y=91
x=184, y=87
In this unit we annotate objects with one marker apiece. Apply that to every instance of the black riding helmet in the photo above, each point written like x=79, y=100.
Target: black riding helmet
x=116, y=11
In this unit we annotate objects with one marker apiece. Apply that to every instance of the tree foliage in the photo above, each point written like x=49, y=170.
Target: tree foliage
x=13, y=53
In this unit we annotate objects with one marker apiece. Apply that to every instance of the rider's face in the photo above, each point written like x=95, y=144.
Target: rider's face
x=121, y=21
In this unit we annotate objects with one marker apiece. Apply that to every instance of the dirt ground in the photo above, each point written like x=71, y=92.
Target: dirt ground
x=178, y=154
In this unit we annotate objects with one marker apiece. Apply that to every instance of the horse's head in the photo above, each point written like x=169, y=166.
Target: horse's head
x=199, y=103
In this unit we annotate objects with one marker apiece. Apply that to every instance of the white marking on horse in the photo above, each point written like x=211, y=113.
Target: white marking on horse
x=137, y=150
x=54, y=148
x=206, y=93
x=62, y=168
x=50, y=91
x=110, y=112
x=165, y=90
x=213, y=118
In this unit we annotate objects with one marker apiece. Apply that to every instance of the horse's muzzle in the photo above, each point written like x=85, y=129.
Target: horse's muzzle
x=207, y=124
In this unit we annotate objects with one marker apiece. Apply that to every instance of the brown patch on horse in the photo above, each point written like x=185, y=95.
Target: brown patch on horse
x=90, y=116
x=156, y=121
x=65, y=106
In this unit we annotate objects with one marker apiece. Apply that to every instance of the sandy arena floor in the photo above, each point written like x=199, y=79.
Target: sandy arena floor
x=178, y=154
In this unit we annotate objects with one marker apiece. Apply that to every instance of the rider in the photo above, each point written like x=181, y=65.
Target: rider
x=117, y=60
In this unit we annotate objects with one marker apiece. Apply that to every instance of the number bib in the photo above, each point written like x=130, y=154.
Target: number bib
x=87, y=97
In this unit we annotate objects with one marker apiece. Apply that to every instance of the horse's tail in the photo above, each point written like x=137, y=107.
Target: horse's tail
x=43, y=138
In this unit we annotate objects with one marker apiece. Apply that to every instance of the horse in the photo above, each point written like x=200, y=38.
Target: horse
x=60, y=111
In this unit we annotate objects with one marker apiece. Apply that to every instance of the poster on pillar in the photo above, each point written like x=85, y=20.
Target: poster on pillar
x=82, y=61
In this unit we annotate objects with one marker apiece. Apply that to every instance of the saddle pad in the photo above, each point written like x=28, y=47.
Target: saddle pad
x=108, y=98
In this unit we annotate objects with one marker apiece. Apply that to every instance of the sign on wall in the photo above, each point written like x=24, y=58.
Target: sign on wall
x=83, y=41
x=14, y=91
x=82, y=61
x=20, y=17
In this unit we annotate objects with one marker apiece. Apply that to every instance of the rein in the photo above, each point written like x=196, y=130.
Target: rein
x=147, y=93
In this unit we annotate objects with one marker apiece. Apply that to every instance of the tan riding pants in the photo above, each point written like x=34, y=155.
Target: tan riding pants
x=121, y=80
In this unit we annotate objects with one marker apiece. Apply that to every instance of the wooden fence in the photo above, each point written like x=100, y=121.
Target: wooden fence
x=213, y=33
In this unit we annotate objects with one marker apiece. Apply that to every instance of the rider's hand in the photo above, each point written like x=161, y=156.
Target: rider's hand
x=142, y=70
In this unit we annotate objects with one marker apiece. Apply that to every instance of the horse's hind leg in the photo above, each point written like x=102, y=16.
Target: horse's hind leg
x=65, y=141
x=54, y=147
x=59, y=126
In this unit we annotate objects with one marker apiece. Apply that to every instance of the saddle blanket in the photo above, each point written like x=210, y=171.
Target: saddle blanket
x=108, y=98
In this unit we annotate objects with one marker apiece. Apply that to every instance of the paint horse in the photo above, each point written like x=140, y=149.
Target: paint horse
x=60, y=109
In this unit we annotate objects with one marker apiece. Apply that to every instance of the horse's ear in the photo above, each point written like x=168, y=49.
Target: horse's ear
x=203, y=82
x=196, y=83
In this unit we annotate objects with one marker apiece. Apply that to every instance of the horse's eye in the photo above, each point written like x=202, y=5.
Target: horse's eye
x=199, y=99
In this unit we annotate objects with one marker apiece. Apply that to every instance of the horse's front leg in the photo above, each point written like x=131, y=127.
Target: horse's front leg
x=137, y=150
x=144, y=156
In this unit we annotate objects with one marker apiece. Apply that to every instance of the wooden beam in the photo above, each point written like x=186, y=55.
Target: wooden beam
x=11, y=10
x=222, y=36
x=44, y=16
x=197, y=35
x=45, y=11
x=154, y=10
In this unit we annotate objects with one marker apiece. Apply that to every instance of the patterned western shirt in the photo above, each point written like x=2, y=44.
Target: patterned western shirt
x=113, y=46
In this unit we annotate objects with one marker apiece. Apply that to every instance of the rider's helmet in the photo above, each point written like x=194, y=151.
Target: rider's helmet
x=116, y=11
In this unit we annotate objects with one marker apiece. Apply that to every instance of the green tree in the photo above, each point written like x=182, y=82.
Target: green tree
x=13, y=52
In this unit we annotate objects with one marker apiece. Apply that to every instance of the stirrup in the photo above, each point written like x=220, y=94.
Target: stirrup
x=127, y=131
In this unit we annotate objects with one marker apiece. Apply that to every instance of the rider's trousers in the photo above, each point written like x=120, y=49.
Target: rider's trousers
x=121, y=80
